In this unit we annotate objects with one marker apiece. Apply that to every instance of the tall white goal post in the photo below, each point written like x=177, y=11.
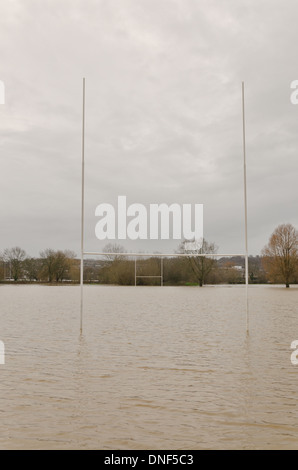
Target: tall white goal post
x=161, y=255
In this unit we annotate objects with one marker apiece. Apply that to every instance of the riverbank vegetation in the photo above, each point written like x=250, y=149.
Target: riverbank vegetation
x=278, y=263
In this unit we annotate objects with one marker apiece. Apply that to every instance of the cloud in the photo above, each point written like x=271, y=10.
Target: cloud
x=163, y=120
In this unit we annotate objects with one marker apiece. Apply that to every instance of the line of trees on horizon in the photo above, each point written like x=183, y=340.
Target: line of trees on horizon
x=278, y=263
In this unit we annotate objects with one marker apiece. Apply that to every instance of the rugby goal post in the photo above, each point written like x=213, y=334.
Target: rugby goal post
x=162, y=255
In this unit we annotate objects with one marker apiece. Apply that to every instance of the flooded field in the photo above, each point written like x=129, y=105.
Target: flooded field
x=155, y=368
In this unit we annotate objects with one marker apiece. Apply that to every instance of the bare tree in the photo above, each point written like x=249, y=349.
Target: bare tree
x=15, y=257
x=113, y=248
x=48, y=257
x=32, y=268
x=2, y=267
x=62, y=264
x=200, y=265
x=280, y=256
x=57, y=264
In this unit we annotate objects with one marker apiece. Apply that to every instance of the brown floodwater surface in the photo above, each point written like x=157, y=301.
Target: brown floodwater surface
x=155, y=368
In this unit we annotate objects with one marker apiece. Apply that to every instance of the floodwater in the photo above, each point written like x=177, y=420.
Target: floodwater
x=155, y=368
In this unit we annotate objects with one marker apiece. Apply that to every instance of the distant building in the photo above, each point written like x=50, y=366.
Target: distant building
x=238, y=268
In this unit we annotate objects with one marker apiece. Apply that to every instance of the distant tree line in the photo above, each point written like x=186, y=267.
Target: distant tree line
x=51, y=266
x=278, y=263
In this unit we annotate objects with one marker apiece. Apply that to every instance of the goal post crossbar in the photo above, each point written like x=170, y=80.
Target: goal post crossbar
x=161, y=255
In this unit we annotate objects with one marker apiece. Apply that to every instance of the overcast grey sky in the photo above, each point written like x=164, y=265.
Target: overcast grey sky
x=163, y=115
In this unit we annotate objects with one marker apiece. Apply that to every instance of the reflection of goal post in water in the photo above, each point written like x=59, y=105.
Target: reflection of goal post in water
x=160, y=255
